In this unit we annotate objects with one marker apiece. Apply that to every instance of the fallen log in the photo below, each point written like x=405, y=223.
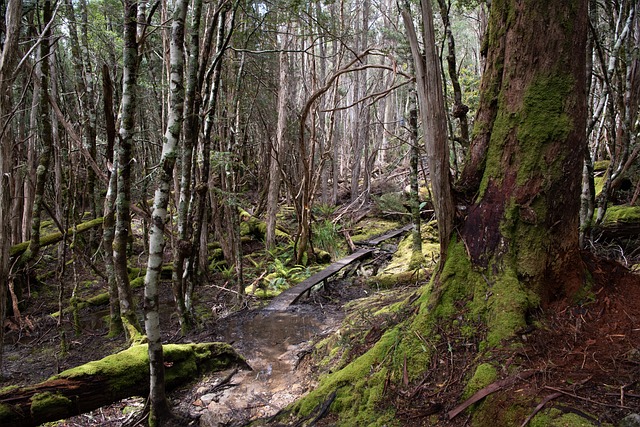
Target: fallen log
x=50, y=239
x=102, y=382
x=620, y=222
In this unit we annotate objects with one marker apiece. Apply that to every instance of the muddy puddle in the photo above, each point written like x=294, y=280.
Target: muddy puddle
x=273, y=342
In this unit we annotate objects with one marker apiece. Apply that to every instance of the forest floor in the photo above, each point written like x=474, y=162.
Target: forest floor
x=583, y=358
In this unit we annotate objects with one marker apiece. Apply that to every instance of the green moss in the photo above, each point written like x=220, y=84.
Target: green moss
x=543, y=120
x=555, y=418
x=621, y=214
x=49, y=404
x=131, y=366
x=508, y=305
x=540, y=120
x=135, y=272
x=601, y=165
x=136, y=283
x=484, y=375
x=7, y=389
x=501, y=409
x=55, y=237
x=6, y=414
x=403, y=257
x=598, y=183
x=359, y=388
x=372, y=227
x=97, y=300
x=388, y=281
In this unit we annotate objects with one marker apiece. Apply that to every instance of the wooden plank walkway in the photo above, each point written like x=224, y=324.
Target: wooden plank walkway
x=291, y=295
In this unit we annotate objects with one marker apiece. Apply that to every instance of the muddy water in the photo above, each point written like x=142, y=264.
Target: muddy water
x=273, y=343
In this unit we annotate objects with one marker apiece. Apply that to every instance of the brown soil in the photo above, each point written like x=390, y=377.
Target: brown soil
x=583, y=358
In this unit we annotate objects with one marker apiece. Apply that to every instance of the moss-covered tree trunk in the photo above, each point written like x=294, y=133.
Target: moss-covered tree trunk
x=526, y=157
x=417, y=258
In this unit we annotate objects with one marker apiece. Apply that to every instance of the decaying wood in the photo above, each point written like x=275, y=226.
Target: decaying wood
x=108, y=380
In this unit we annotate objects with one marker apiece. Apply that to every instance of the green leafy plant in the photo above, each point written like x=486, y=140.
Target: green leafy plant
x=326, y=237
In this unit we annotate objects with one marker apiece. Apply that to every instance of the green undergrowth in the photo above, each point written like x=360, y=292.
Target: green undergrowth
x=464, y=305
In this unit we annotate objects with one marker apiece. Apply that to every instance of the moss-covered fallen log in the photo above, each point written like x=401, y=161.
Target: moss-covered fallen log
x=52, y=238
x=620, y=222
x=102, y=382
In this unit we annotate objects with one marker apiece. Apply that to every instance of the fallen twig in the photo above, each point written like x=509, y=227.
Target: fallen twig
x=540, y=406
x=486, y=391
x=586, y=399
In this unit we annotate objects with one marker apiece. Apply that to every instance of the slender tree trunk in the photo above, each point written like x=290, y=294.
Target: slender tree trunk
x=83, y=81
x=430, y=96
x=182, y=274
x=124, y=147
x=46, y=136
x=416, y=237
x=459, y=109
x=275, y=158
x=8, y=60
x=201, y=217
x=157, y=397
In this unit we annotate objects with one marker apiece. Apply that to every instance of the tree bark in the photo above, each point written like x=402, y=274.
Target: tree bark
x=108, y=226
x=434, y=121
x=526, y=211
x=46, y=136
x=275, y=157
x=159, y=408
x=8, y=60
x=182, y=274
x=124, y=147
x=417, y=258
x=99, y=383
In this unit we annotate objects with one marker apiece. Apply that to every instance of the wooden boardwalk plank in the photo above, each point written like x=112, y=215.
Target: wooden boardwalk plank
x=291, y=295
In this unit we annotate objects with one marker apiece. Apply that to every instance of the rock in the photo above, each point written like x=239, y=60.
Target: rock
x=207, y=398
x=631, y=420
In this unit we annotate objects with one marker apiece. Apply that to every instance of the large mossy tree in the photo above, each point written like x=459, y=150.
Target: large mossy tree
x=514, y=246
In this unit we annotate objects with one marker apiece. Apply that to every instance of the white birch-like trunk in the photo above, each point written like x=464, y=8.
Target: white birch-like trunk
x=157, y=397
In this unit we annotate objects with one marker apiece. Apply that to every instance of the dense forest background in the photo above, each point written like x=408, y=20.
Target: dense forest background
x=189, y=123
